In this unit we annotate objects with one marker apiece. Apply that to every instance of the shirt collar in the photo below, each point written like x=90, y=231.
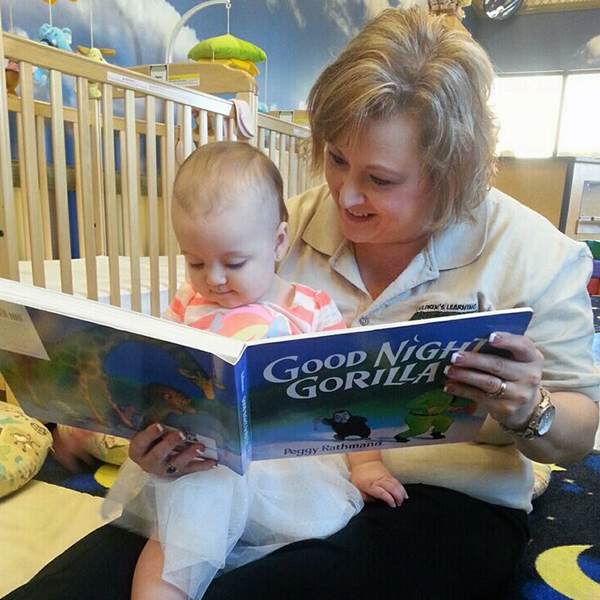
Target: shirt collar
x=454, y=247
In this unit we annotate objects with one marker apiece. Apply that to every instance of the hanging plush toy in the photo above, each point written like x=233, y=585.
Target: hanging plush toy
x=96, y=54
x=12, y=77
x=56, y=38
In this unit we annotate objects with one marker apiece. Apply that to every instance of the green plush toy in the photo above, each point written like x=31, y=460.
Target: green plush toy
x=227, y=46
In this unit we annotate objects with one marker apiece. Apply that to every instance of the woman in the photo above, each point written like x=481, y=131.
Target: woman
x=406, y=227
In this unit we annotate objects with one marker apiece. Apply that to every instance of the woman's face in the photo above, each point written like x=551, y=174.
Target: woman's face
x=375, y=179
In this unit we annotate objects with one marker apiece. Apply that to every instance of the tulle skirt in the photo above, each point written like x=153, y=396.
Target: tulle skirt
x=214, y=521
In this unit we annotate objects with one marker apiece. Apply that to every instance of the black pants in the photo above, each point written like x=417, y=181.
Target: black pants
x=440, y=545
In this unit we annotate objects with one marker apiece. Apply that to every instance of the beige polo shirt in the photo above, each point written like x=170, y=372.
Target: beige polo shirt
x=508, y=257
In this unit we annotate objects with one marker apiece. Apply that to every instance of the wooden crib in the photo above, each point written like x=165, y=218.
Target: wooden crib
x=86, y=182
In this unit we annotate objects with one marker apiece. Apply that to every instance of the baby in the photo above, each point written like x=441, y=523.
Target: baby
x=230, y=221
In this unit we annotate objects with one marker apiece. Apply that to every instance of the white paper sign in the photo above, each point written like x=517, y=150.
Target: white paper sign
x=159, y=72
x=17, y=332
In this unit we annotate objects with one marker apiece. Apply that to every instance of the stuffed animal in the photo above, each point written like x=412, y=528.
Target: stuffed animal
x=97, y=55
x=12, y=77
x=56, y=38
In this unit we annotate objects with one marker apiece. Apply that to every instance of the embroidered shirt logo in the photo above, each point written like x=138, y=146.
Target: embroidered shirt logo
x=443, y=309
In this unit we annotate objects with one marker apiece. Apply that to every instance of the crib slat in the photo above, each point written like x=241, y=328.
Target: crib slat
x=231, y=129
x=261, y=140
x=164, y=220
x=283, y=163
x=152, y=204
x=186, y=131
x=97, y=183
x=78, y=193
x=110, y=189
x=169, y=169
x=9, y=260
x=219, y=128
x=292, y=169
x=22, y=211
x=272, y=145
x=61, y=199
x=42, y=161
x=31, y=175
x=85, y=164
x=124, y=212
x=133, y=200
x=203, y=127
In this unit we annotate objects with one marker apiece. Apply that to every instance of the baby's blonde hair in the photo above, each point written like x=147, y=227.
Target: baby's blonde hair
x=408, y=61
x=217, y=172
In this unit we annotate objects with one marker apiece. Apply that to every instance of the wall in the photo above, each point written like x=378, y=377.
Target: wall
x=541, y=42
x=537, y=183
x=300, y=37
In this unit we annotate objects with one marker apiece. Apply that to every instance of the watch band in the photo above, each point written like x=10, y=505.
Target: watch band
x=532, y=430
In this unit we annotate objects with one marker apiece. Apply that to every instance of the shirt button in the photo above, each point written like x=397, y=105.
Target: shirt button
x=364, y=320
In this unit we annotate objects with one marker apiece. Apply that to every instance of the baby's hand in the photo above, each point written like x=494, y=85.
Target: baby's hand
x=69, y=447
x=375, y=482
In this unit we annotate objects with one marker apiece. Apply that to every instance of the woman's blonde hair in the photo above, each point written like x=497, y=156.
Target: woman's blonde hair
x=406, y=60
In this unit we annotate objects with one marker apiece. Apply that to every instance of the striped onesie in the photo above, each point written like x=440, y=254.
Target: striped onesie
x=309, y=311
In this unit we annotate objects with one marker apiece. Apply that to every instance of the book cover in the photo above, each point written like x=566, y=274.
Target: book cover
x=98, y=367
x=367, y=388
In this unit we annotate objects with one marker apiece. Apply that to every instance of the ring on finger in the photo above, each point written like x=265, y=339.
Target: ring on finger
x=170, y=468
x=499, y=393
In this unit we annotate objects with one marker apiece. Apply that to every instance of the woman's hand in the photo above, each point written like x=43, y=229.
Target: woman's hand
x=154, y=450
x=375, y=482
x=507, y=387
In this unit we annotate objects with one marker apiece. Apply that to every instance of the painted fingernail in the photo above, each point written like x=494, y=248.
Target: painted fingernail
x=160, y=428
x=457, y=358
x=181, y=435
x=495, y=338
x=448, y=389
x=199, y=452
x=447, y=370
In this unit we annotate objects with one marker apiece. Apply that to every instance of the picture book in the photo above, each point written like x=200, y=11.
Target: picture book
x=102, y=368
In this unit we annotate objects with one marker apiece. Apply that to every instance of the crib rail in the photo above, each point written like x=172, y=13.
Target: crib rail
x=87, y=164
x=288, y=146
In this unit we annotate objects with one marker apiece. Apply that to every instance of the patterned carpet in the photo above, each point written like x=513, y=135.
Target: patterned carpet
x=563, y=558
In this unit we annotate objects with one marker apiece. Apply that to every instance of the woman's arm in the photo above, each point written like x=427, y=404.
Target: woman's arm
x=479, y=376
x=572, y=434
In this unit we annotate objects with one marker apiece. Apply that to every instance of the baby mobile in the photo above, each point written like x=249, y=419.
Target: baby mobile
x=12, y=68
x=52, y=36
x=93, y=53
x=59, y=38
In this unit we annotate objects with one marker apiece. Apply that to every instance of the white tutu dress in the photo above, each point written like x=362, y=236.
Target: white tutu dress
x=216, y=520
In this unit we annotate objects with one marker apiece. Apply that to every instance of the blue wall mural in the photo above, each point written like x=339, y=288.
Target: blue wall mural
x=299, y=36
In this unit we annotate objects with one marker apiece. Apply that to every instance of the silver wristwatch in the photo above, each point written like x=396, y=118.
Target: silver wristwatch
x=540, y=423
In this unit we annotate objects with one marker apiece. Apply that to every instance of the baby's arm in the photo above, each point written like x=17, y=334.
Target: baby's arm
x=373, y=479
x=69, y=446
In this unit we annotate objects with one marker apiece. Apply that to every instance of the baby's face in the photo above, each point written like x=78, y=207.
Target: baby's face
x=231, y=253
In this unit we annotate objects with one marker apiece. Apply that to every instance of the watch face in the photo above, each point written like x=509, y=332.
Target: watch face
x=545, y=421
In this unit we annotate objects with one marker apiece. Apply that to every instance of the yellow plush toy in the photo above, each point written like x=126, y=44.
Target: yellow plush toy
x=96, y=54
